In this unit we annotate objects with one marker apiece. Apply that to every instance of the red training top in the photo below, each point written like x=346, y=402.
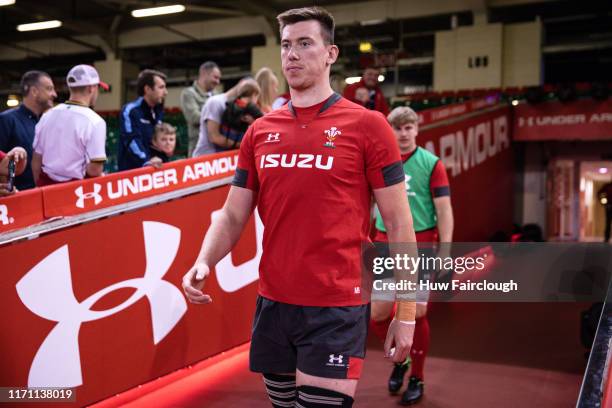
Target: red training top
x=380, y=103
x=314, y=170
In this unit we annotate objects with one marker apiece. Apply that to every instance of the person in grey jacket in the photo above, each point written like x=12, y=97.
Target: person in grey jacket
x=194, y=97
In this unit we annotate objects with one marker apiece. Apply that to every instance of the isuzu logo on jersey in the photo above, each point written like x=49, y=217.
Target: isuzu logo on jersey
x=46, y=290
x=302, y=161
x=81, y=196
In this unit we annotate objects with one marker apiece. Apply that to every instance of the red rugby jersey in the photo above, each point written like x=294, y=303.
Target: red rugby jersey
x=314, y=170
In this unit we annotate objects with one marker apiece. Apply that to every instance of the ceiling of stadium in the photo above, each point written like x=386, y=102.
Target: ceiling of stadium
x=578, y=35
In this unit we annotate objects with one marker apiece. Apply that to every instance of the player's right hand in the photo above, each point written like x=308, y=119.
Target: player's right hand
x=193, y=283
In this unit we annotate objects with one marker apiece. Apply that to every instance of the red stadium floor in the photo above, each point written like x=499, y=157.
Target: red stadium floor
x=499, y=360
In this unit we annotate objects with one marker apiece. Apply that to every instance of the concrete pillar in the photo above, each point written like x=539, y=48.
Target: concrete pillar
x=117, y=73
x=269, y=56
x=522, y=58
x=488, y=56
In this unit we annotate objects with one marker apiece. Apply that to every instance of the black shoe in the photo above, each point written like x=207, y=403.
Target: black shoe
x=414, y=392
x=397, y=376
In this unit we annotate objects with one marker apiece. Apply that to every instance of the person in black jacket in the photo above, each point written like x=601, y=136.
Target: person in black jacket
x=163, y=144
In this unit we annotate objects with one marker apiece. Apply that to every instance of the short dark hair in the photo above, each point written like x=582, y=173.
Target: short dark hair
x=325, y=19
x=30, y=79
x=147, y=78
x=208, y=66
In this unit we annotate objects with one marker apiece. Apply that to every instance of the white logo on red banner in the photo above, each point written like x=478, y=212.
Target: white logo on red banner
x=95, y=194
x=231, y=277
x=46, y=290
x=4, y=217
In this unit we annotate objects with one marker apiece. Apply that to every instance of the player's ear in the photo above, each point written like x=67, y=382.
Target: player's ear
x=332, y=54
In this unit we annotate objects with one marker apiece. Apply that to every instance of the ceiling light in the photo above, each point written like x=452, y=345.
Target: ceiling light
x=41, y=25
x=372, y=22
x=365, y=46
x=352, y=80
x=6, y=2
x=158, y=11
x=603, y=170
x=381, y=78
x=515, y=102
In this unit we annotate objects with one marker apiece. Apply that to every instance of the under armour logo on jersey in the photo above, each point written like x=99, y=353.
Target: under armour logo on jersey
x=407, y=182
x=46, y=290
x=333, y=359
x=95, y=194
x=273, y=137
x=331, y=136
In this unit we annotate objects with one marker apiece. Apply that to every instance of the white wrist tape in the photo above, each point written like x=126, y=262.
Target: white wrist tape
x=408, y=322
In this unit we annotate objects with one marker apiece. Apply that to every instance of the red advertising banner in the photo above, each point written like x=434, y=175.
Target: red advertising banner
x=478, y=159
x=579, y=120
x=21, y=210
x=433, y=115
x=117, y=188
x=99, y=306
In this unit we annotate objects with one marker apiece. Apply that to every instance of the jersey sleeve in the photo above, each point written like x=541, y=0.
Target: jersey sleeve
x=438, y=182
x=37, y=142
x=383, y=163
x=246, y=172
x=95, y=145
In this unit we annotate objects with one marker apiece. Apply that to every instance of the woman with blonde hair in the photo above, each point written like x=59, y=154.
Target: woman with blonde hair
x=268, y=83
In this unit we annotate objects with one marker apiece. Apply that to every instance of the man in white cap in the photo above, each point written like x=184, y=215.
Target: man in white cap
x=70, y=138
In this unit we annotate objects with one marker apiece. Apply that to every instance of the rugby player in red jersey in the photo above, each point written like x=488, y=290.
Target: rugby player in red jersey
x=311, y=168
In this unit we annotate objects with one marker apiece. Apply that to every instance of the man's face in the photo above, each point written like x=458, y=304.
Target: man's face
x=406, y=136
x=158, y=92
x=305, y=57
x=166, y=142
x=211, y=79
x=44, y=93
x=370, y=78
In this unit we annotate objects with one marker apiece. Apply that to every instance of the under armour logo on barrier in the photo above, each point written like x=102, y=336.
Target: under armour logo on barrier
x=46, y=290
x=95, y=194
x=334, y=359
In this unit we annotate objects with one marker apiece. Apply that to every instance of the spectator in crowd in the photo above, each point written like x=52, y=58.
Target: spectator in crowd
x=428, y=194
x=367, y=93
x=210, y=120
x=605, y=198
x=20, y=159
x=163, y=144
x=17, y=125
x=138, y=119
x=70, y=139
x=268, y=83
x=238, y=115
x=194, y=97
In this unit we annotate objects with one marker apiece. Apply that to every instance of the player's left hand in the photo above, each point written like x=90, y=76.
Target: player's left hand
x=399, y=336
